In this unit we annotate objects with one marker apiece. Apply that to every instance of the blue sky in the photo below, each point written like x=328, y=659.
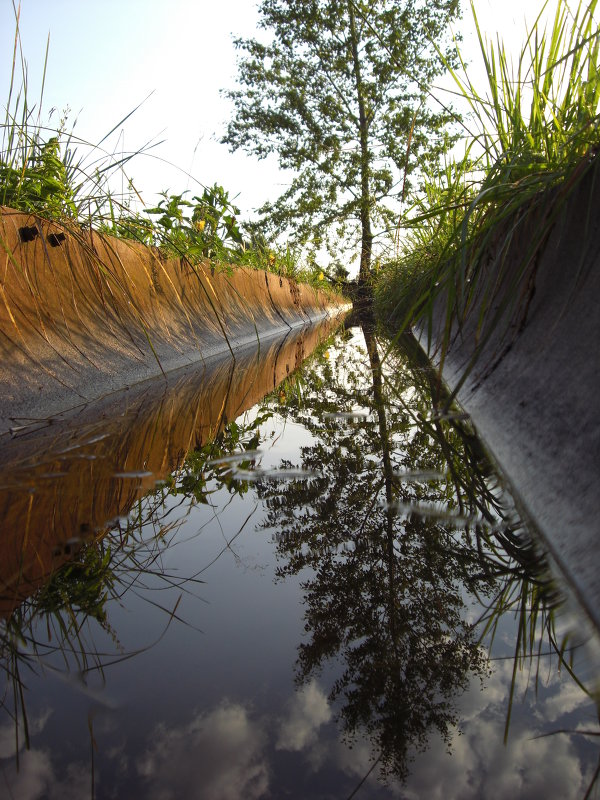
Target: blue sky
x=106, y=56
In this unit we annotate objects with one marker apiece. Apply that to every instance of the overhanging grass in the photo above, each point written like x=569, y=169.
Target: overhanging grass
x=533, y=137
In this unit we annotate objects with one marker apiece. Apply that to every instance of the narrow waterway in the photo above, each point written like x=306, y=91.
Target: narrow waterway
x=292, y=575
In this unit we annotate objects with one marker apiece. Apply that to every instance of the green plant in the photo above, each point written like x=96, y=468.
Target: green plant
x=40, y=185
x=404, y=283
x=50, y=172
x=205, y=227
x=533, y=132
x=46, y=169
x=338, y=94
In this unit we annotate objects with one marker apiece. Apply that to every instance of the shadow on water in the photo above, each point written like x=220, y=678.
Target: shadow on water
x=406, y=546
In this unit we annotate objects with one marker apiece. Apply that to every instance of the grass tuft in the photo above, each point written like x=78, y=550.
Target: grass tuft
x=533, y=135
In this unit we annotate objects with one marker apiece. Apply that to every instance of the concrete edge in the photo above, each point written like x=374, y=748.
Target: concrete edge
x=533, y=392
x=84, y=314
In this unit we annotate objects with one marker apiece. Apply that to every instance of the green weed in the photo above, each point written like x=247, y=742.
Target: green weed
x=533, y=135
x=52, y=173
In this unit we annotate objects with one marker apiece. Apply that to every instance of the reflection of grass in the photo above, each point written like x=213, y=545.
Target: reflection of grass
x=524, y=587
x=532, y=140
x=54, y=629
x=57, y=628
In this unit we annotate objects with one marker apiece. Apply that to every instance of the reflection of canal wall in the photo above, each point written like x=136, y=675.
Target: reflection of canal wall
x=60, y=483
x=82, y=314
x=533, y=391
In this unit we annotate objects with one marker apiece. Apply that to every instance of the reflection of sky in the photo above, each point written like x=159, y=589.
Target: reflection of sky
x=226, y=745
x=211, y=710
x=527, y=767
x=234, y=750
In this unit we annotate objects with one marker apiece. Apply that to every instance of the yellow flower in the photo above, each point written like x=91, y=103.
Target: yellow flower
x=321, y=276
x=200, y=224
x=326, y=354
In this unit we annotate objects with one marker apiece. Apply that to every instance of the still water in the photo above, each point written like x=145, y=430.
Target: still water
x=295, y=575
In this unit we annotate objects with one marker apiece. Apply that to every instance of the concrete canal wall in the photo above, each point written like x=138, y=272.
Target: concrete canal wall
x=534, y=390
x=84, y=314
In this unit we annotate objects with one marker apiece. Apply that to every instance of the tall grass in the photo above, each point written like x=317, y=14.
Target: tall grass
x=51, y=172
x=46, y=168
x=532, y=134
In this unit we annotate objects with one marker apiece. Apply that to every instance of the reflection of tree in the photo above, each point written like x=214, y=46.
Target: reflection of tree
x=385, y=595
x=385, y=591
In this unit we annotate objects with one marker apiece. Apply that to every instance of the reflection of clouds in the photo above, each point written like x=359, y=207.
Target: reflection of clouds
x=308, y=710
x=217, y=756
x=223, y=754
x=568, y=698
x=36, y=779
x=481, y=766
x=7, y=733
x=358, y=761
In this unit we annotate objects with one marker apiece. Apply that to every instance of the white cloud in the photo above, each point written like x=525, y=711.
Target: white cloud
x=7, y=733
x=217, y=756
x=568, y=698
x=481, y=765
x=308, y=711
x=34, y=777
x=75, y=785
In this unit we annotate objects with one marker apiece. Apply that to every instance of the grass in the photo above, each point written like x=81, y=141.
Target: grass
x=52, y=173
x=532, y=136
x=64, y=627
x=56, y=629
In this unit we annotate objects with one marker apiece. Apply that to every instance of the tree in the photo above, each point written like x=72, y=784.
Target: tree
x=339, y=94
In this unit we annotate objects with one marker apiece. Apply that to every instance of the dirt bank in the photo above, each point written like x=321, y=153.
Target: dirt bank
x=83, y=314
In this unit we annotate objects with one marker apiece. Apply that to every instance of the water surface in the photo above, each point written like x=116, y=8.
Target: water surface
x=280, y=577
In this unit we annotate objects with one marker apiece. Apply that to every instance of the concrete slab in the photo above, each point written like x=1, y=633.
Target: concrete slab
x=84, y=314
x=534, y=391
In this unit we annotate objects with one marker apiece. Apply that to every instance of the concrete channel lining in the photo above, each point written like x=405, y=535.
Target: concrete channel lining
x=83, y=314
x=534, y=391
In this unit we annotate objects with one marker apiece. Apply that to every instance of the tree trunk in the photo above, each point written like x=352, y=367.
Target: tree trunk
x=388, y=473
x=364, y=275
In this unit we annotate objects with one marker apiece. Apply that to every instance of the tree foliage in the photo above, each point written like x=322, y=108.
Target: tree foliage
x=339, y=93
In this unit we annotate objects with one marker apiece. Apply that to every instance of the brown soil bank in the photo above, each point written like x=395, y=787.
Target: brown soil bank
x=83, y=314
x=534, y=390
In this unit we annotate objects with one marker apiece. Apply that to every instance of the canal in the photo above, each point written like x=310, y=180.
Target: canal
x=296, y=574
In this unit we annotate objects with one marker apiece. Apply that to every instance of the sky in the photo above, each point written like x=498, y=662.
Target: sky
x=173, y=56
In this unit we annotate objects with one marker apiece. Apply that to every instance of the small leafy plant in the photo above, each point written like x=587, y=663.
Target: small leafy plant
x=204, y=228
